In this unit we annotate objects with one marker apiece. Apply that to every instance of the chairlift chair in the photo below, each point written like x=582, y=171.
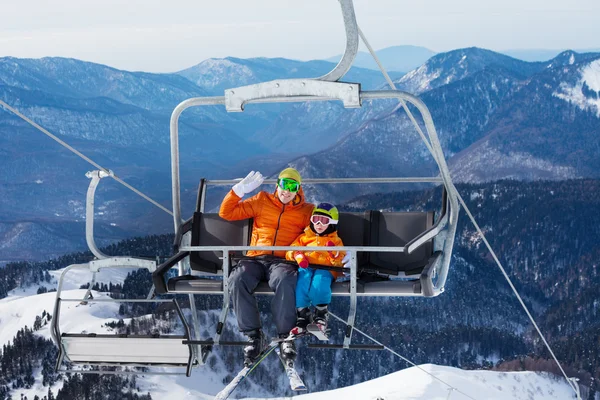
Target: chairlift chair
x=94, y=350
x=385, y=246
x=416, y=245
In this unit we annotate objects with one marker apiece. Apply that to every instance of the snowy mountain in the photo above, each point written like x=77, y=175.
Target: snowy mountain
x=527, y=120
x=395, y=58
x=541, y=54
x=216, y=74
x=530, y=120
x=426, y=381
x=547, y=129
x=445, y=68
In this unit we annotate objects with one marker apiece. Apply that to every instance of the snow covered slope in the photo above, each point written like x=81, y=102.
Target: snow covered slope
x=409, y=384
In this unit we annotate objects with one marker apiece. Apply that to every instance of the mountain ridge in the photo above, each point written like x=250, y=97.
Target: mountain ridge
x=471, y=101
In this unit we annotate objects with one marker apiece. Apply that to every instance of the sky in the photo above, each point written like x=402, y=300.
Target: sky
x=168, y=36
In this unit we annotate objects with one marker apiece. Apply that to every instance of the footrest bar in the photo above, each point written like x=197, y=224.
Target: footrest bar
x=350, y=347
x=211, y=342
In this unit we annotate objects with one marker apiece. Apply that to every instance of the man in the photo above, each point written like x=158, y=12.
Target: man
x=279, y=217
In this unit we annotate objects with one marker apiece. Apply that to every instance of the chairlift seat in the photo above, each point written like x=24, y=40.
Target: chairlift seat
x=389, y=229
x=120, y=350
x=124, y=349
x=212, y=230
x=372, y=228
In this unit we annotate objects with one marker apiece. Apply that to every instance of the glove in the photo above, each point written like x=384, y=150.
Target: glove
x=301, y=259
x=248, y=184
x=345, y=262
x=331, y=253
x=346, y=259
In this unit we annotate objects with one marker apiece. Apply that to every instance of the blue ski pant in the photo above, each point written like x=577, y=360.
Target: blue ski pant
x=313, y=287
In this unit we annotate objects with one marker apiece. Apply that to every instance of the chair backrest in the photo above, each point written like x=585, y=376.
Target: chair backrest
x=212, y=230
x=371, y=228
x=354, y=230
x=392, y=229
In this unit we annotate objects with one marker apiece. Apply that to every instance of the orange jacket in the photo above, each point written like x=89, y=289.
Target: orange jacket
x=275, y=224
x=310, y=238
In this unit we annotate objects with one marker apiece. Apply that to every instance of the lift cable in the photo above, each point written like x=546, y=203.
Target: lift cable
x=400, y=356
x=83, y=156
x=453, y=188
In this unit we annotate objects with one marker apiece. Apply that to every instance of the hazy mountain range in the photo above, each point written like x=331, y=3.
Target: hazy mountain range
x=497, y=117
x=406, y=58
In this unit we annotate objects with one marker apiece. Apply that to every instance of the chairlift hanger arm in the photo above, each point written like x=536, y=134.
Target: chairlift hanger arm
x=95, y=177
x=288, y=90
x=299, y=89
x=351, y=49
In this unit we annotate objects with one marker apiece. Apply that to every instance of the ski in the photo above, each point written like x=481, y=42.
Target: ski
x=296, y=383
x=227, y=390
x=316, y=330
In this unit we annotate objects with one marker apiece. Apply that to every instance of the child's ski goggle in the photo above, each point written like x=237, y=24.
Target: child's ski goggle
x=322, y=219
x=288, y=184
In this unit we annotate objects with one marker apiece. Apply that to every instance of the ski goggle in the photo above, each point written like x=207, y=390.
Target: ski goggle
x=322, y=219
x=288, y=184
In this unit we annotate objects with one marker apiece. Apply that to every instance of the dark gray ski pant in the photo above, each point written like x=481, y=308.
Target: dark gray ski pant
x=282, y=278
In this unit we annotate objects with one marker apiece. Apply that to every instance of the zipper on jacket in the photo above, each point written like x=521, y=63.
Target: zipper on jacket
x=277, y=229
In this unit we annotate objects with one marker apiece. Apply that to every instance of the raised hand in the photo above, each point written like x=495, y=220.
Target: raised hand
x=248, y=184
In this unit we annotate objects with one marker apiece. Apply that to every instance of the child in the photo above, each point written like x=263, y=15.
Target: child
x=314, y=285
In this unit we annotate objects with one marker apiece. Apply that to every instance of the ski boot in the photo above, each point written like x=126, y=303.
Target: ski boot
x=302, y=321
x=321, y=317
x=256, y=344
x=287, y=350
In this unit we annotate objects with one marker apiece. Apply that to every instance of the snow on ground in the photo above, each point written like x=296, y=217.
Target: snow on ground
x=409, y=384
x=590, y=76
x=16, y=312
x=22, y=305
x=37, y=389
x=415, y=383
x=19, y=310
x=74, y=279
x=80, y=276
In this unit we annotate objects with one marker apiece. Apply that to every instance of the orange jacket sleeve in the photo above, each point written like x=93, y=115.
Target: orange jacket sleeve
x=297, y=242
x=337, y=260
x=232, y=209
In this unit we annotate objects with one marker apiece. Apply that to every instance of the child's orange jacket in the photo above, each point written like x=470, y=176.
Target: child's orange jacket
x=310, y=238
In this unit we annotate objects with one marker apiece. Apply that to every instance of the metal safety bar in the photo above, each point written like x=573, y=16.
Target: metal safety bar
x=435, y=145
x=302, y=90
x=317, y=181
x=74, y=339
